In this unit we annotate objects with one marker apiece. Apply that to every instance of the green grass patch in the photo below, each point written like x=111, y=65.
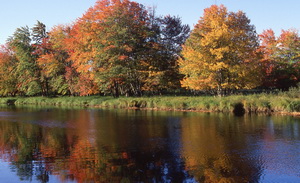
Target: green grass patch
x=281, y=102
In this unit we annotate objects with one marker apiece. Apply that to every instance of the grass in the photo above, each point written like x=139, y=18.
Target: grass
x=281, y=102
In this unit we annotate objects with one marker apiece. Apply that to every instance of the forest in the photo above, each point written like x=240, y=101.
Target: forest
x=122, y=48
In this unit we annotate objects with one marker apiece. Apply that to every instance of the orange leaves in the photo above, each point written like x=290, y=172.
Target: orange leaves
x=281, y=58
x=219, y=49
x=267, y=38
x=86, y=86
x=117, y=45
x=109, y=47
x=58, y=37
x=48, y=64
x=104, y=38
x=6, y=64
x=5, y=56
x=289, y=35
x=123, y=57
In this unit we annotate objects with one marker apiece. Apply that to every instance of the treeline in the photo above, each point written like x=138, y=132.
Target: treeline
x=119, y=47
x=225, y=53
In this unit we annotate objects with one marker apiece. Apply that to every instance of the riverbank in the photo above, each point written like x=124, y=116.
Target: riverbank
x=285, y=103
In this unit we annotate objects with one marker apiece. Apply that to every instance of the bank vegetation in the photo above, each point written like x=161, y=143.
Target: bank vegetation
x=281, y=102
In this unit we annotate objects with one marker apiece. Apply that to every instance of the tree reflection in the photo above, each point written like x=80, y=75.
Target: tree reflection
x=99, y=146
x=135, y=146
x=223, y=148
x=206, y=148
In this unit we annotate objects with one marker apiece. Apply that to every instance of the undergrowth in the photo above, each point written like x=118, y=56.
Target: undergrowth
x=281, y=102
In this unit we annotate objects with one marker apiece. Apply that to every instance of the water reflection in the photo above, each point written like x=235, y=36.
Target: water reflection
x=94, y=145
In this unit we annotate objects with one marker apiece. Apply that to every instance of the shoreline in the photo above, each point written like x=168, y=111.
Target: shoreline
x=237, y=104
x=295, y=114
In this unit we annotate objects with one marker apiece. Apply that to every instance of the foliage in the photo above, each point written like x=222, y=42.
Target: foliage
x=281, y=58
x=27, y=71
x=8, y=77
x=54, y=62
x=221, y=52
x=121, y=48
x=168, y=36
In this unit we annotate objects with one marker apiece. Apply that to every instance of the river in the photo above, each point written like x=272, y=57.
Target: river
x=110, y=145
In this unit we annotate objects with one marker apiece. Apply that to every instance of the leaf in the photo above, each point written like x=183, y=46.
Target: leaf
x=221, y=47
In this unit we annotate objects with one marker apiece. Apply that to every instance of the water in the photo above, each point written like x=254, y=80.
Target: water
x=97, y=145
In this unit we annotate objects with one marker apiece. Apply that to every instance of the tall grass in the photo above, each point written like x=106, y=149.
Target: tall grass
x=281, y=102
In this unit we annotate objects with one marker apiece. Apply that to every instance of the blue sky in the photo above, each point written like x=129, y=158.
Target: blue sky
x=264, y=14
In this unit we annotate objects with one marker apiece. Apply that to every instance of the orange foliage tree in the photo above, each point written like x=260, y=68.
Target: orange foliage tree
x=55, y=63
x=107, y=45
x=221, y=52
x=8, y=77
x=126, y=50
x=281, y=58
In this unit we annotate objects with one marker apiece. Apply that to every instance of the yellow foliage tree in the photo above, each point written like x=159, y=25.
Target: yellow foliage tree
x=221, y=52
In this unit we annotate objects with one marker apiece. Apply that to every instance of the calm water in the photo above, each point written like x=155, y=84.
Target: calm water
x=96, y=145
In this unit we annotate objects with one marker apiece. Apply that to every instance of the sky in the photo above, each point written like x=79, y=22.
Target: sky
x=264, y=14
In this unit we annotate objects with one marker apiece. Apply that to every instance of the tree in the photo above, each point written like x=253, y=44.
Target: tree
x=8, y=79
x=288, y=57
x=281, y=58
x=173, y=36
x=168, y=36
x=81, y=50
x=125, y=49
x=221, y=53
x=27, y=71
x=122, y=60
x=41, y=47
x=109, y=44
x=268, y=49
x=54, y=61
x=40, y=35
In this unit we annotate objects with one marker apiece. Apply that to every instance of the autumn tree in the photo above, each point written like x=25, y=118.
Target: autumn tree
x=281, y=58
x=288, y=56
x=121, y=57
x=125, y=49
x=27, y=71
x=109, y=44
x=54, y=61
x=221, y=53
x=8, y=79
x=41, y=47
x=168, y=36
x=80, y=47
x=268, y=48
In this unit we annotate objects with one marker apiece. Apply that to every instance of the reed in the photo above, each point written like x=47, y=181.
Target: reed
x=280, y=102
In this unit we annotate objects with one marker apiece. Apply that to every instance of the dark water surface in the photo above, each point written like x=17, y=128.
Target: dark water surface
x=97, y=145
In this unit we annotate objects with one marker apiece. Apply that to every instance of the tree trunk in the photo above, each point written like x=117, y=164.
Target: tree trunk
x=220, y=91
x=116, y=90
